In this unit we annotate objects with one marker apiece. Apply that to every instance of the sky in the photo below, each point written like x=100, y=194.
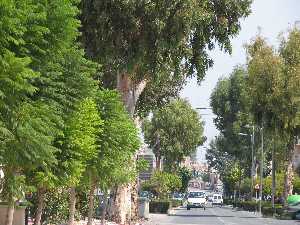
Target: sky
x=272, y=17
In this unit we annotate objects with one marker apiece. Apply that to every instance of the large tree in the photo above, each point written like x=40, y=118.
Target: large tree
x=174, y=132
x=273, y=81
x=144, y=43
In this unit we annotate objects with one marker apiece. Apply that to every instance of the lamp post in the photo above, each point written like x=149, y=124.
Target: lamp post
x=252, y=157
x=261, y=167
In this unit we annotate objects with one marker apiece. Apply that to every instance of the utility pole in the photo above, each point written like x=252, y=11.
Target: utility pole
x=261, y=167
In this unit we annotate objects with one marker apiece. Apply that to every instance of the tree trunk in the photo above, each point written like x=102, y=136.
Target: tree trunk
x=289, y=175
x=40, y=206
x=91, y=202
x=158, y=160
x=72, y=205
x=118, y=210
x=134, y=200
x=10, y=213
x=104, y=208
x=126, y=195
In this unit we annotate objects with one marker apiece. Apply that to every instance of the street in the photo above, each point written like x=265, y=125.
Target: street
x=214, y=216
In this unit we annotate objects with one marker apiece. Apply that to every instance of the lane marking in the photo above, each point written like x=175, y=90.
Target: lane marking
x=222, y=220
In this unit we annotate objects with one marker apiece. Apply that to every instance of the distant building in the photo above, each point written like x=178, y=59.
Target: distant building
x=147, y=154
x=297, y=24
x=296, y=156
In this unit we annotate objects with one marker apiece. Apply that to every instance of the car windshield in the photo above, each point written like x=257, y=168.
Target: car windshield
x=196, y=195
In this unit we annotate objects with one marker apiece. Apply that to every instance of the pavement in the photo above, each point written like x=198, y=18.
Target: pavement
x=214, y=216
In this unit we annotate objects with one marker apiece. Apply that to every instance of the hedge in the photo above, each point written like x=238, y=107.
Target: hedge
x=267, y=209
x=162, y=206
x=159, y=206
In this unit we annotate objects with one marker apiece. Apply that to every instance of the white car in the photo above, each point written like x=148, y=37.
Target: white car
x=217, y=199
x=196, y=200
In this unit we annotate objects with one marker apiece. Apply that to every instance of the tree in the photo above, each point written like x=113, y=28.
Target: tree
x=219, y=156
x=230, y=103
x=185, y=175
x=43, y=75
x=289, y=113
x=117, y=145
x=140, y=43
x=273, y=79
x=180, y=132
x=83, y=128
x=162, y=184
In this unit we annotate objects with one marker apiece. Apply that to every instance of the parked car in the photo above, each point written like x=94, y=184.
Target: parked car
x=217, y=199
x=146, y=194
x=196, y=200
x=177, y=196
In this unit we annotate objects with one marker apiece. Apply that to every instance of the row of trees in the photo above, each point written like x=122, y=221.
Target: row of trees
x=149, y=48
x=59, y=127
x=264, y=93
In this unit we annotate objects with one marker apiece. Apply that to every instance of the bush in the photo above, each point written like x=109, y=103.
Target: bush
x=228, y=201
x=159, y=206
x=267, y=209
x=162, y=184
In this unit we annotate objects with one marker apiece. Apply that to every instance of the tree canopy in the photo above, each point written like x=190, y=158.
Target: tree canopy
x=179, y=130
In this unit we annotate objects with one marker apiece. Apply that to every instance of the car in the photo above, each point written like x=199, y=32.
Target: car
x=217, y=199
x=196, y=200
x=146, y=194
x=177, y=196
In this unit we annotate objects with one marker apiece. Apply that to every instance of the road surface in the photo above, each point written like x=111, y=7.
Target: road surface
x=215, y=216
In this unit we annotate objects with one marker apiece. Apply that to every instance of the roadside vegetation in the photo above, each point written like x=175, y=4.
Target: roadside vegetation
x=77, y=77
x=258, y=104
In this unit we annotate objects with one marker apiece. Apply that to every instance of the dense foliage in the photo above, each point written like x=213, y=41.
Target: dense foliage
x=175, y=131
x=264, y=96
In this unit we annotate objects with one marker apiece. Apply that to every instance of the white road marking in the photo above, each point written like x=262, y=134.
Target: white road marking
x=221, y=220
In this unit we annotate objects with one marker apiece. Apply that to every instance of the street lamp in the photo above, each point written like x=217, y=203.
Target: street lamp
x=261, y=167
x=252, y=156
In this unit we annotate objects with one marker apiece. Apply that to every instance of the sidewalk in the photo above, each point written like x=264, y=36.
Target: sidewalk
x=96, y=222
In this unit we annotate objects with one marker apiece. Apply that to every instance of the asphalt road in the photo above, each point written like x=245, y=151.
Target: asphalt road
x=215, y=216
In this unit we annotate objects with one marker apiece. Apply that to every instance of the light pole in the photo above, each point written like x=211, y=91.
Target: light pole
x=261, y=167
x=252, y=157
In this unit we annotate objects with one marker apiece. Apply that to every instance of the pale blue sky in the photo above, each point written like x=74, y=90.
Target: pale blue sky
x=273, y=16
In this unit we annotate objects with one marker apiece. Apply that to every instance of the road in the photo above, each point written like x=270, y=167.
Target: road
x=215, y=216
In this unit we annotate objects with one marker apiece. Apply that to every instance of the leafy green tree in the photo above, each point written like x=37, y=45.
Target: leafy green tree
x=273, y=79
x=116, y=146
x=219, y=157
x=185, y=176
x=175, y=131
x=144, y=44
x=162, y=184
x=230, y=103
x=83, y=128
x=43, y=74
x=289, y=113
